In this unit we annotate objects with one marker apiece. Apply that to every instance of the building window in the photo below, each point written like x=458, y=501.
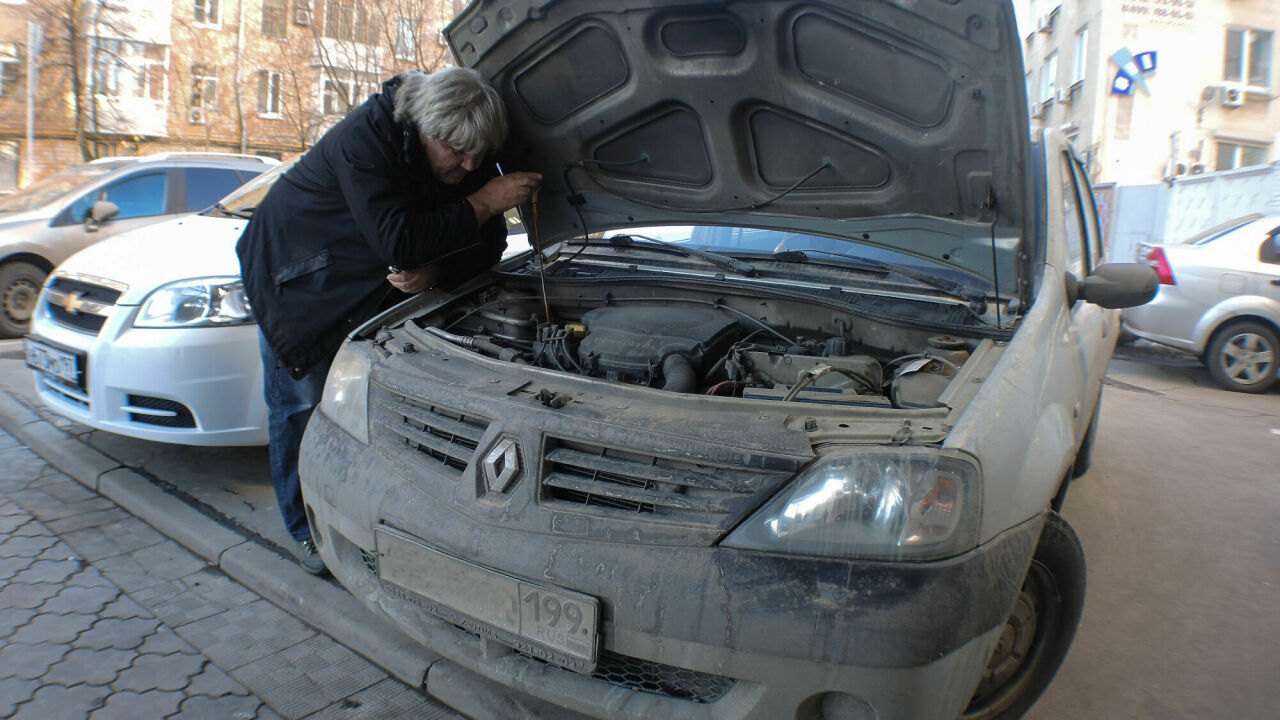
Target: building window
x=205, y=12
x=349, y=20
x=8, y=165
x=1232, y=155
x=1049, y=77
x=269, y=83
x=342, y=90
x=204, y=87
x=1081, y=57
x=274, y=18
x=124, y=69
x=406, y=40
x=10, y=66
x=1247, y=59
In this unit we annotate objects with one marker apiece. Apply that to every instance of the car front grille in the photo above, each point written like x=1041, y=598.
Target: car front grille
x=159, y=411
x=81, y=303
x=590, y=477
x=443, y=436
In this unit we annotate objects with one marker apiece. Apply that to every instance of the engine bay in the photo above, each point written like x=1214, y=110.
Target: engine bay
x=759, y=348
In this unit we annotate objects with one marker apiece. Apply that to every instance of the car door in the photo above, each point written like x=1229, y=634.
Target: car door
x=143, y=197
x=1092, y=328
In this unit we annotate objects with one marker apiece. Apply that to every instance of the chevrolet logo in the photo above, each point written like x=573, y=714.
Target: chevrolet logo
x=73, y=303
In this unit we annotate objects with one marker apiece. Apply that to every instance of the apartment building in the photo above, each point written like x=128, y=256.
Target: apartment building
x=81, y=79
x=1154, y=90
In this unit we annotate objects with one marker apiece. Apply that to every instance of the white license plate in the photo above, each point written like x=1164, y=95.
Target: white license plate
x=53, y=361
x=550, y=623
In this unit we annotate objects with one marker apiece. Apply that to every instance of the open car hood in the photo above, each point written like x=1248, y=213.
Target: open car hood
x=809, y=116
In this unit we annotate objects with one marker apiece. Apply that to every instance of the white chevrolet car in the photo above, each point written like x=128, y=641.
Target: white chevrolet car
x=149, y=334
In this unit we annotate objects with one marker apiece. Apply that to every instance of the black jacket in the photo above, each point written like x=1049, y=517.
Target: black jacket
x=314, y=257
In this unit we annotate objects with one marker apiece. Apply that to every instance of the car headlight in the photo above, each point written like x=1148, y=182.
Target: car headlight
x=881, y=504
x=346, y=392
x=200, y=302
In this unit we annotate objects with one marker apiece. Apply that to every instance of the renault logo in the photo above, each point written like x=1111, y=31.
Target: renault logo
x=501, y=465
x=73, y=303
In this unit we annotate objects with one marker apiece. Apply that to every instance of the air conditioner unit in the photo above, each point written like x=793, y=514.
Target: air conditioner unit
x=1064, y=95
x=1037, y=110
x=302, y=16
x=196, y=116
x=1232, y=95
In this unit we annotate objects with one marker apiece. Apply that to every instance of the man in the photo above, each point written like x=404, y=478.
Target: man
x=400, y=184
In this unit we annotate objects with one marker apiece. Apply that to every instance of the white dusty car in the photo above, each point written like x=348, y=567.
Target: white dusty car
x=149, y=333
x=779, y=425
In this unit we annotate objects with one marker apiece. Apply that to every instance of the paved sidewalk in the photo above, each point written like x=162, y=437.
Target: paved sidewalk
x=101, y=616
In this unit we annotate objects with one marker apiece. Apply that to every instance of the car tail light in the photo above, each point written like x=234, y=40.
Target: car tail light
x=1158, y=261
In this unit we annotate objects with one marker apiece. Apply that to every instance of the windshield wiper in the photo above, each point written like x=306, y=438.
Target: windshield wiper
x=728, y=263
x=950, y=287
x=244, y=214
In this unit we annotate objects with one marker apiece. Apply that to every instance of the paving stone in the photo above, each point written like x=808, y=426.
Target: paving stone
x=388, y=699
x=242, y=635
x=47, y=508
x=13, y=618
x=124, y=607
x=240, y=707
x=284, y=687
x=58, y=552
x=57, y=701
x=96, y=667
x=52, y=571
x=21, y=466
x=113, y=539
x=11, y=566
x=9, y=523
x=160, y=672
x=25, y=661
x=168, y=560
x=81, y=599
x=337, y=670
x=89, y=577
x=127, y=573
x=164, y=641
x=14, y=691
x=122, y=634
x=53, y=628
x=69, y=491
x=27, y=595
x=83, y=520
x=218, y=588
x=215, y=682
x=26, y=546
x=31, y=529
x=130, y=705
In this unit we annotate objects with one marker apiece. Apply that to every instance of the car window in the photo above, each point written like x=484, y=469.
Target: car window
x=1072, y=220
x=1270, y=251
x=206, y=186
x=139, y=195
x=51, y=188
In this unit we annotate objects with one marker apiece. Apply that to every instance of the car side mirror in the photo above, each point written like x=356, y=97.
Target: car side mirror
x=1270, y=251
x=1115, y=286
x=102, y=211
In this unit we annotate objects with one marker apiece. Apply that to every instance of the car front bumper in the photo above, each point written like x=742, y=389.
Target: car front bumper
x=194, y=386
x=773, y=635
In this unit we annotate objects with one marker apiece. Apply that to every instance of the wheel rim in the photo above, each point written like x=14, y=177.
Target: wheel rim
x=1021, y=644
x=20, y=300
x=1247, y=358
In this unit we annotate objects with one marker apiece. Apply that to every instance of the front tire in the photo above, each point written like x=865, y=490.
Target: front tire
x=1039, y=631
x=19, y=287
x=1242, y=357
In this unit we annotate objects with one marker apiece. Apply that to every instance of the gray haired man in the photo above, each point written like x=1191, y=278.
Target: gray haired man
x=402, y=182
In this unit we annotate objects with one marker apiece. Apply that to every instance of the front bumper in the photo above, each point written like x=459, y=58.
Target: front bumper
x=686, y=632
x=196, y=386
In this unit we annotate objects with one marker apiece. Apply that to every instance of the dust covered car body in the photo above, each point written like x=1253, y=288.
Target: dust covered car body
x=774, y=423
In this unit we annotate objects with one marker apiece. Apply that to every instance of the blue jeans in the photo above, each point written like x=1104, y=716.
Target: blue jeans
x=289, y=406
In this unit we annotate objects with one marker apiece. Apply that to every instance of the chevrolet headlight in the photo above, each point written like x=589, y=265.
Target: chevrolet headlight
x=882, y=504
x=201, y=302
x=346, y=392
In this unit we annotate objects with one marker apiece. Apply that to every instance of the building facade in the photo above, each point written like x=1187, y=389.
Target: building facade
x=81, y=79
x=1155, y=90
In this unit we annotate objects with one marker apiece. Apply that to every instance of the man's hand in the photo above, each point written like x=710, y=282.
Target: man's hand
x=416, y=280
x=503, y=193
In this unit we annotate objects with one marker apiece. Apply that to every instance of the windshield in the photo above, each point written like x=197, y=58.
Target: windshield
x=49, y=189
x=791, y=247
x=246, y=197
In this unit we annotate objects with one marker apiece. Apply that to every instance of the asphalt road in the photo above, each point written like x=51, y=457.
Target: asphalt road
x=1178, y=518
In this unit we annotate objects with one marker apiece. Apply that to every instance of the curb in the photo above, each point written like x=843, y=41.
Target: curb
x=325, y=606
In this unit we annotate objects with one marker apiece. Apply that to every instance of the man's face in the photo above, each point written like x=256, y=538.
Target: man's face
x=448, y=165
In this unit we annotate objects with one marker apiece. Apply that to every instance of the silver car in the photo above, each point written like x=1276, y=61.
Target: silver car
x=778, y=424
x=53, y=218
x=1219, y=298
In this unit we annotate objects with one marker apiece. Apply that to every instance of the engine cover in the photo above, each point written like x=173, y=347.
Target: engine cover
x=631, y=342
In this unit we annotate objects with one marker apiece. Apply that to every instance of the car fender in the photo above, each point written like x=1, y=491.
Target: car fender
x=1238, y=306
